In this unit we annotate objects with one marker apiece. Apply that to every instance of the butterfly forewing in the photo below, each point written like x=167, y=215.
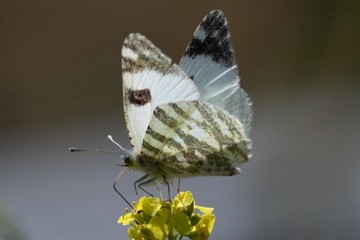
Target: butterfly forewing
x=149, y=80
x=210, y=61
x=187, y=120
x=193, y=138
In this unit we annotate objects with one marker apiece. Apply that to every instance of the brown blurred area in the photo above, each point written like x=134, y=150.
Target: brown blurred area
x=60, y=73
x=62, y=58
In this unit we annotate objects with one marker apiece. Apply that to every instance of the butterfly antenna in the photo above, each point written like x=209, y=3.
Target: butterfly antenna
x=111, y=139
x=117, y=191
x=73, y=149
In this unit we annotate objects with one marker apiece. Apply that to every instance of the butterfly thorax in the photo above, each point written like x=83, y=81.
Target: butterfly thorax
x=139, y=163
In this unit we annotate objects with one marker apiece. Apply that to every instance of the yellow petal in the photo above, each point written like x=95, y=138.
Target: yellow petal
x=206, y=224
x=151, y=205
x=139, y=205
x=183, y=199
x=126, y=219
x=181, y=222
x=134, y=234
x=204, y=209
x=158, y=227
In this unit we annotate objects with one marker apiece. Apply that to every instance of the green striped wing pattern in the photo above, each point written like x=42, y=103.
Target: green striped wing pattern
x=193, y=138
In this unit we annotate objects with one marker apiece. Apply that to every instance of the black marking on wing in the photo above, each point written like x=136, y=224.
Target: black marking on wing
x=139, y=97
x=216, y=43
x=163, y=139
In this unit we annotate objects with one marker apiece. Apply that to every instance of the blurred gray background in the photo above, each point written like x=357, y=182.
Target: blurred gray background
x=60, y=73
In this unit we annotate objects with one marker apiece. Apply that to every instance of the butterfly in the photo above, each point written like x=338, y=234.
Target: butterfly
x=191, y=119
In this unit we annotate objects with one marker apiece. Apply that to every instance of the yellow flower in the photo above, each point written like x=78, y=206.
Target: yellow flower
x=126, y=219
x=204, y=227
x=157, y=220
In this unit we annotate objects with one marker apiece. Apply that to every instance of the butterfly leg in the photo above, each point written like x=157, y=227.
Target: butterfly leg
x=139, y=181
x=176, y=187
x=117, y=191
x=159, y=191
x=168, y=187
x=143, y=181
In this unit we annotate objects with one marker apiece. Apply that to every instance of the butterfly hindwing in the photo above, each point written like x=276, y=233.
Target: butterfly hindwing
x=210, y=61
x=191, y=138
x=150, y=79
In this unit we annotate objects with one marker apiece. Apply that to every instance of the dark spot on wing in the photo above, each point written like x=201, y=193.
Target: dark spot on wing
x=216, y=42
x=139, y=97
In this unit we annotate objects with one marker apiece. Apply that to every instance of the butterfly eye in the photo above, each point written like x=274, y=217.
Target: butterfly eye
x=128, y=162
x=139, y=97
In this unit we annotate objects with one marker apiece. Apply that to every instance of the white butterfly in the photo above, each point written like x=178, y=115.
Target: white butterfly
x=185, y=120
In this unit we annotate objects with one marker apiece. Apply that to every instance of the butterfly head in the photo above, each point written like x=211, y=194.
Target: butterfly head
x=129, y=157
x=134, y=162
x=129, y=160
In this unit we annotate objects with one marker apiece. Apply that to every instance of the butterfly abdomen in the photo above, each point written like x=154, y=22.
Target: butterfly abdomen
x=171, y=167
